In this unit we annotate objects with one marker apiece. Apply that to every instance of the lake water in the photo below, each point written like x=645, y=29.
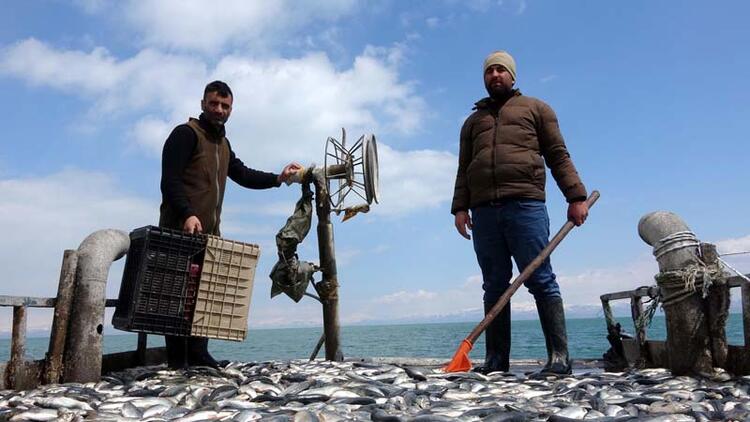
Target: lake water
x=586, y=337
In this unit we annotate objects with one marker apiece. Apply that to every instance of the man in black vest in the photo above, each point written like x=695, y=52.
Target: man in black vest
x=196, y=160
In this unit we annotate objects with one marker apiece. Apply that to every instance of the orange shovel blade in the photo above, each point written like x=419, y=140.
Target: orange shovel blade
x=460, y=361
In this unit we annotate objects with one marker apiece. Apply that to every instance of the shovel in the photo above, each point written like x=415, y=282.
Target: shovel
x=460, y=361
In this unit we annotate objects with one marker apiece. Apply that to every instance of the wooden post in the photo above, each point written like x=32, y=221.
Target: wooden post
x=63, y=303
x=745, y=290
x=17, y=346
x=636, y=310
x=717, y=310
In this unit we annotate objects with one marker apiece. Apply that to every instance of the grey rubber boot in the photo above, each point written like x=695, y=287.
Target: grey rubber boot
x=497, y=342
x=552, y=317
x=176, y=352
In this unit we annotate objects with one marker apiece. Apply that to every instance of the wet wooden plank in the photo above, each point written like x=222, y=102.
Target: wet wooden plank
x=29, y=302
x=649, y=291
x=123, y=360
x=28, y=375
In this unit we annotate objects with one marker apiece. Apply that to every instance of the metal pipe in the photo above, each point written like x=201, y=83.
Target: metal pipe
x=63, y=303
x=83, y=352
x=315, y=351
x=328, y=287
x=676, y=248
x=673, y=254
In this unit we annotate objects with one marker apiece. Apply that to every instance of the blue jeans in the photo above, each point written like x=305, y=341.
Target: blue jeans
x=518, y=229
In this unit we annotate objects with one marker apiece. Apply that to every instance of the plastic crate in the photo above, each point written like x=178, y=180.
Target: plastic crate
x=161, y=272
x=225, y=289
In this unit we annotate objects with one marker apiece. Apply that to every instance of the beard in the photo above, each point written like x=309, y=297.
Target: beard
x=498, y=91
x=214, y=120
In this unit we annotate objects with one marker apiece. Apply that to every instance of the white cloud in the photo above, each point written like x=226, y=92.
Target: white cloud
x=150, y=80
x=283, y=107
x=580, y=292
x=548, y=78
x=432, y=22
x=44, y=216
x=403, y=296
x=414, y=180
x=585, y=288
x=40, y=64
x=739, y=244
x=149, y=134
x=197, y=25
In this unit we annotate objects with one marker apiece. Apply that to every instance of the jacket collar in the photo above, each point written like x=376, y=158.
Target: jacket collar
x=491, y=103
x=210, y=128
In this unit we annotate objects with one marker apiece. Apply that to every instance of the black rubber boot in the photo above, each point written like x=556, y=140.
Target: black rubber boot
x=197, y=353
x=176, y=352
x=497, y=342
x=552, y=316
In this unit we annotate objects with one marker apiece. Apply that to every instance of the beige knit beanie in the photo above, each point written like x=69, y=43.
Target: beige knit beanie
x=503, y=59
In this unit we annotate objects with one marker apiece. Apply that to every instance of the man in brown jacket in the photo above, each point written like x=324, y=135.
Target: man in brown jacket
x=196, y=160
x=499, y=196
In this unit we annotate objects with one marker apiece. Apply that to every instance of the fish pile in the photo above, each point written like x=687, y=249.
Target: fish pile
x=319, y=390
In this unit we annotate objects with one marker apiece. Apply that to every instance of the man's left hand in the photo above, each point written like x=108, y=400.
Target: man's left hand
x=289, y=171
x=577, y=212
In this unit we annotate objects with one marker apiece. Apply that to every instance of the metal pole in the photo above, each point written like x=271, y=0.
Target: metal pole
x=142, y=347
x=63, y=303
x=328, y=287
x=317, y=347
x=83, y=345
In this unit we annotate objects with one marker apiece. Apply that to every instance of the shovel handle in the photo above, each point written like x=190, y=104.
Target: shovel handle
x=526, y=273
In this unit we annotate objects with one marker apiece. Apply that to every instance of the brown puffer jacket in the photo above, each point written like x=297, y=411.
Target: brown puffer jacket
x=503, y=150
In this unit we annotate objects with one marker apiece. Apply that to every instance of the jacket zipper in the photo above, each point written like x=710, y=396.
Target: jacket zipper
x=218, y=190
x=494, y=154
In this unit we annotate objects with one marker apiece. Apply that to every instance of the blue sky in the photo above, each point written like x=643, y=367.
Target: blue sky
x=651, y=98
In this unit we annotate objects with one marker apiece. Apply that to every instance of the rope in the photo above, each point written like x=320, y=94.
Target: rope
x=645, y=318
x=695, y=277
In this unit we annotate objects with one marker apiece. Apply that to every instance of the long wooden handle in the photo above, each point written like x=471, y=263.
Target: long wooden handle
x=526, y=273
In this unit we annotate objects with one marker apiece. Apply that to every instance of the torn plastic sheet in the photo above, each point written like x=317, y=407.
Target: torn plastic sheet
x=290, y=275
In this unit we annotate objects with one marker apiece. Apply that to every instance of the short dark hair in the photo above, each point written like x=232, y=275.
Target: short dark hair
x=218, y=87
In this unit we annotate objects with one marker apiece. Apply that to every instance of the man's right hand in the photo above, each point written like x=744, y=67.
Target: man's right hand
x=192, y=225
x=463, y=223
